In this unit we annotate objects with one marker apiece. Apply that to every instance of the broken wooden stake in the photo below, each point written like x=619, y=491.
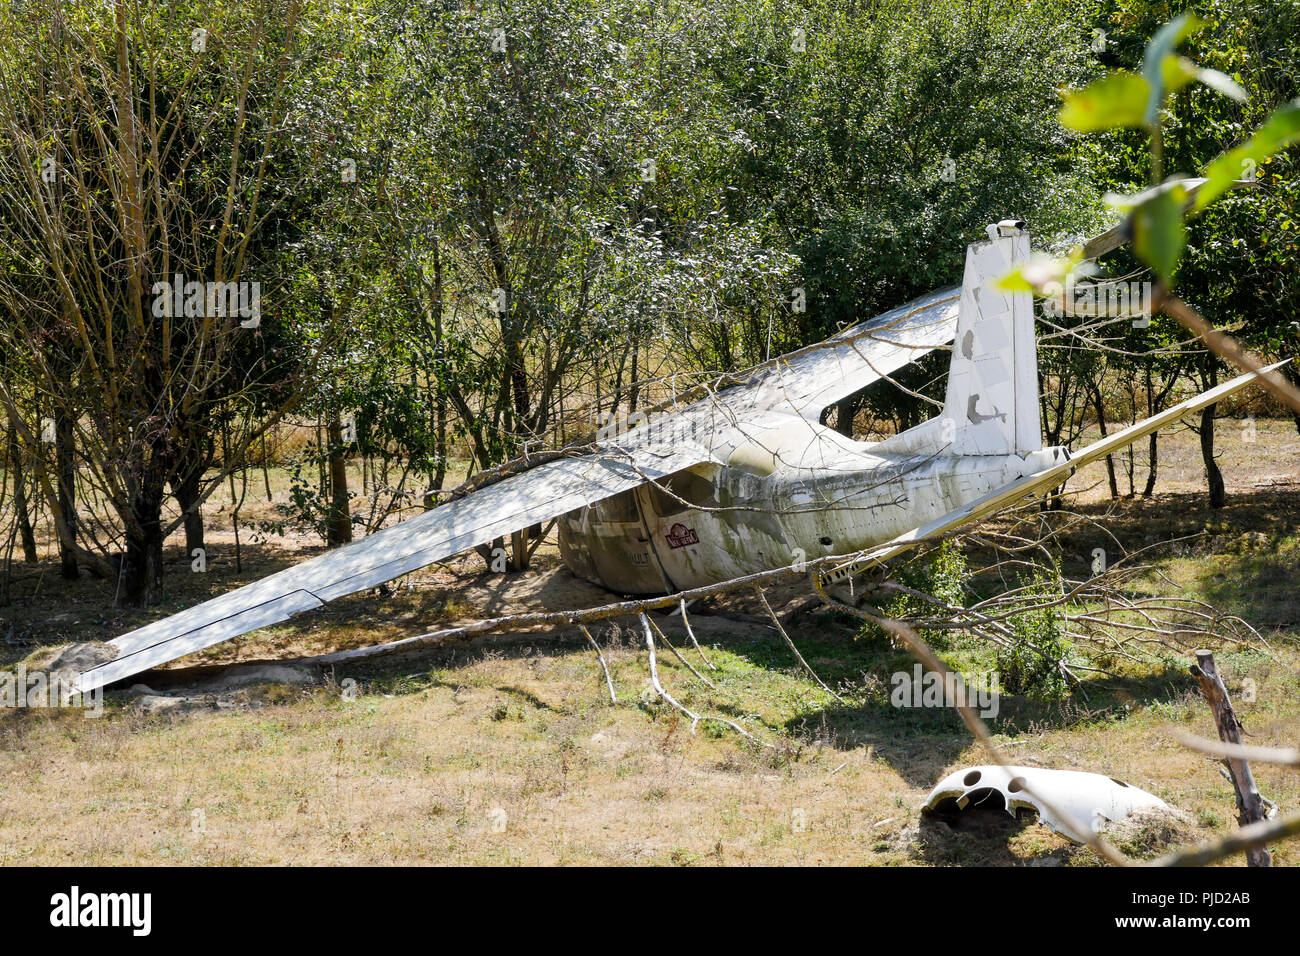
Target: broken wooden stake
x=1250, y=804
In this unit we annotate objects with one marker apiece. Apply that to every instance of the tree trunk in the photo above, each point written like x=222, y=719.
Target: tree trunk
x=1209, y=374
x=845, y=410
x=514, y=380
x=1213, y=476
x=142, y=565
x=96, y=563
x=66, y=470
x=1152, y=458
x=339, y=523
x=634, y=384
x=519, y=551
x=1293, y=376
x=185, y=486
x=1101, y=423
x=1151, y=465
x=20, y=499
x=440, y=449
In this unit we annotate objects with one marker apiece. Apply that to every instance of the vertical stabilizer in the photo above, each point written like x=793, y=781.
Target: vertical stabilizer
x=992, y=401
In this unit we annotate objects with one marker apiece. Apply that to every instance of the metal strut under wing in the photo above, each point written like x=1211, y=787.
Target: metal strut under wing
x=536, y=495
x=1017, y=491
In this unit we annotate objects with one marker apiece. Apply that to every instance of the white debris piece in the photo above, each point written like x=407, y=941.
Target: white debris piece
x=1073, y=803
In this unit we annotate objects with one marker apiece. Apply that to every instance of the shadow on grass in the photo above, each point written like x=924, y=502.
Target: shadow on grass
x=919, y=743
x=1243, y=558
x=980, y=837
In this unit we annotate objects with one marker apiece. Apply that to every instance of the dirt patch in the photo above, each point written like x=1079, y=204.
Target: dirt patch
x=239, y=687
x=75, y=658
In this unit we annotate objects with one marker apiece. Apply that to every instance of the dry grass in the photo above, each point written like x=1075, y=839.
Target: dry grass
x=508, y=751
x=416, y=768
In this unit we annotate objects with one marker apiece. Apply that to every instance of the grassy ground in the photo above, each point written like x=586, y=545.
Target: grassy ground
x=508, y=750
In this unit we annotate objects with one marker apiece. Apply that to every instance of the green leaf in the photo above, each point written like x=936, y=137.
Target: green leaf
x=1279, y=131
x=1159, y=50
x=1176, y=72
x=1159, y=234
x=1114, y=100
x=1015, y=281
x=1040, y=270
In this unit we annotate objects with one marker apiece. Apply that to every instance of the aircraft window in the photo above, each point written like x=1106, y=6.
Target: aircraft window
x=683, y=485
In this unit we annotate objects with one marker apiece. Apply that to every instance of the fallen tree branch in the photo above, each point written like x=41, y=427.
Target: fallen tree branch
x=1248, y=838
x=613, y=698
x=695, y=718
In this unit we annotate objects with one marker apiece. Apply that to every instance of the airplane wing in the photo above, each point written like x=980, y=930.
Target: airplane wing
x=803, y=382
x=539, y=494
x=806, y=381
x=1017, y=491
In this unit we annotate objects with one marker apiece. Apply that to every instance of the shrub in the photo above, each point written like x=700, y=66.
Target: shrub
x=943, y=577
x=1033, y=664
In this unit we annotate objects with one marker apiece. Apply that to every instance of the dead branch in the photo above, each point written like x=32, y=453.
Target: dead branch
x=790, y=644
x=695, y=718
x=1286, y=756
x=1229, y=349
x=1250, y=804
x=690, y=632
x=1247, y=839
x=684, y=662
x=971, y=719
x=609, y=681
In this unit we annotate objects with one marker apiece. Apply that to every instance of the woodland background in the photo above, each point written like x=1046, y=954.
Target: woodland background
x=477, y=228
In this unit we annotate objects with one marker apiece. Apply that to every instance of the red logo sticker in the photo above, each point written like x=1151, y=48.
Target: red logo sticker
x=679, y=536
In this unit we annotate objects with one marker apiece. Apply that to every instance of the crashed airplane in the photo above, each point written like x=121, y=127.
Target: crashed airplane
x=743, y=480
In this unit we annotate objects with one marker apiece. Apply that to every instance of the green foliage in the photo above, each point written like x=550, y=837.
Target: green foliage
x=1032, y=666
x=1238, y=265
x=834, y=155
x=1124, y=99
x=309, y=505
x=876, y=151
x=1152, y=101
x=1117, y=99
x=1159, y=235
x=1278, y=131
x=896, y=137
x=942, y=575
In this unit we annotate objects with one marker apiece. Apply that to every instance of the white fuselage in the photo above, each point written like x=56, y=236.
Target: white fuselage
x=786, y=489
x=791, y=495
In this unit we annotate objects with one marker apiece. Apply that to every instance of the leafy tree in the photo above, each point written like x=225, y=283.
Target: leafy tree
x=1238, y=264
x=879, y=138
x=147, y=144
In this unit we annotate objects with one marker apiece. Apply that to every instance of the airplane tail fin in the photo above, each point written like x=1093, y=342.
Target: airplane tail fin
x=991, y=406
